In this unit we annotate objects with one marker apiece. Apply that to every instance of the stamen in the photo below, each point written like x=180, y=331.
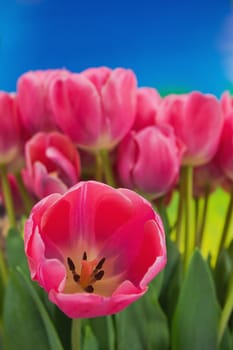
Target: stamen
x=100, y=264
x=89, y=273
x=89, y=289
x=70, y=264
x=76, y=277
x=99, y=275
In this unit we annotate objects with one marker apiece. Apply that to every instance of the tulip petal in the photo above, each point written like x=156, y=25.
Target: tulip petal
x=45, y=183
x=85, y=305
x=151, y=257
x=119, y=102
x=76, y=106
x=126, y=247
x=64, y=163
x=98, y=76
x=53, y=274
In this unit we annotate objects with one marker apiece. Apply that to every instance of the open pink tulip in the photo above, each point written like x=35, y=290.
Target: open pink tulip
x=9, y=128
x=32, y=97
x=52, y=164
x=96, y=108
x=149, y=160
x=197, y=121
x=94, y=249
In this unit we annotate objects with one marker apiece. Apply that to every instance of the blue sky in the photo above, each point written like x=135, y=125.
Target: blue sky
x=171, y=45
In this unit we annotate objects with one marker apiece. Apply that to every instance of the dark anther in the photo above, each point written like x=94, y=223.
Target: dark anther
x=70, y=264
x=84, y=256
x=76, y=277
x=89, y=289
x=100, y=264
x=99, y=275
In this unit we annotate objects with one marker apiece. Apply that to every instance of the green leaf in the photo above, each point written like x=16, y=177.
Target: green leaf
x=15, y=250
x=102, y=327
x=222, y=274
x=89, y=340
x=226, y=343
x=143, y=325
x=195, y=323
x=26, y=322
x=173, y=275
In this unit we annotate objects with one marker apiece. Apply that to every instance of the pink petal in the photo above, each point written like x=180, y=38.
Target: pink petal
x=83, y=305
x=98, y=76
x=34, y=248
x=52, y=275
x=126, y=240
x=119, y=103
x=126, y=158
x=152, y=255
x=76, y=106
x=44, y=183
x=201, y=139
x=61, y=161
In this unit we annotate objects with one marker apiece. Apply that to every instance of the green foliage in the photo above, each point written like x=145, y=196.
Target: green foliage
x=26, y=322
x=143, y=325
x=172, y=279
x=90, y=342
x=195, y=323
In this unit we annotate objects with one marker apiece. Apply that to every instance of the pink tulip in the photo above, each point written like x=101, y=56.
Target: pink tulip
x=148, y=100
x=94, y=249
x=225, y=150
x=9, y=128
x=149, y=160
x=95, y=108
x=32, y=97
x=52, y=164
x=197, y=121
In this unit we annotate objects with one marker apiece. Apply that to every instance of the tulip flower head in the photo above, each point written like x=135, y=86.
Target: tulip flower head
x=95, y=248
x=197, y=121
x=149, y=160
x=96, y=108
x=32, y=98
x=52, y=164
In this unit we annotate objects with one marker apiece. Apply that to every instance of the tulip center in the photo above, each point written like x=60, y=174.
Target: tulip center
x=90, y=272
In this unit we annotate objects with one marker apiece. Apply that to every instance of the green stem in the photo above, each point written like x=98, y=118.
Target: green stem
x=201, y=230
x=24, y=193
x=226, y=225
x=98, y=167
x=3, y=269
x=226, y=312
x=76, y=334
x=114, y=321
x=7, y=196
x=107, y=167
x=163, y=213
x=180, y=214
x=188, y=213
x=197, y=212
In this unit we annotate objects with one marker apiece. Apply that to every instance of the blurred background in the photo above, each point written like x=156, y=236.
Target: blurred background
x=171, y=45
